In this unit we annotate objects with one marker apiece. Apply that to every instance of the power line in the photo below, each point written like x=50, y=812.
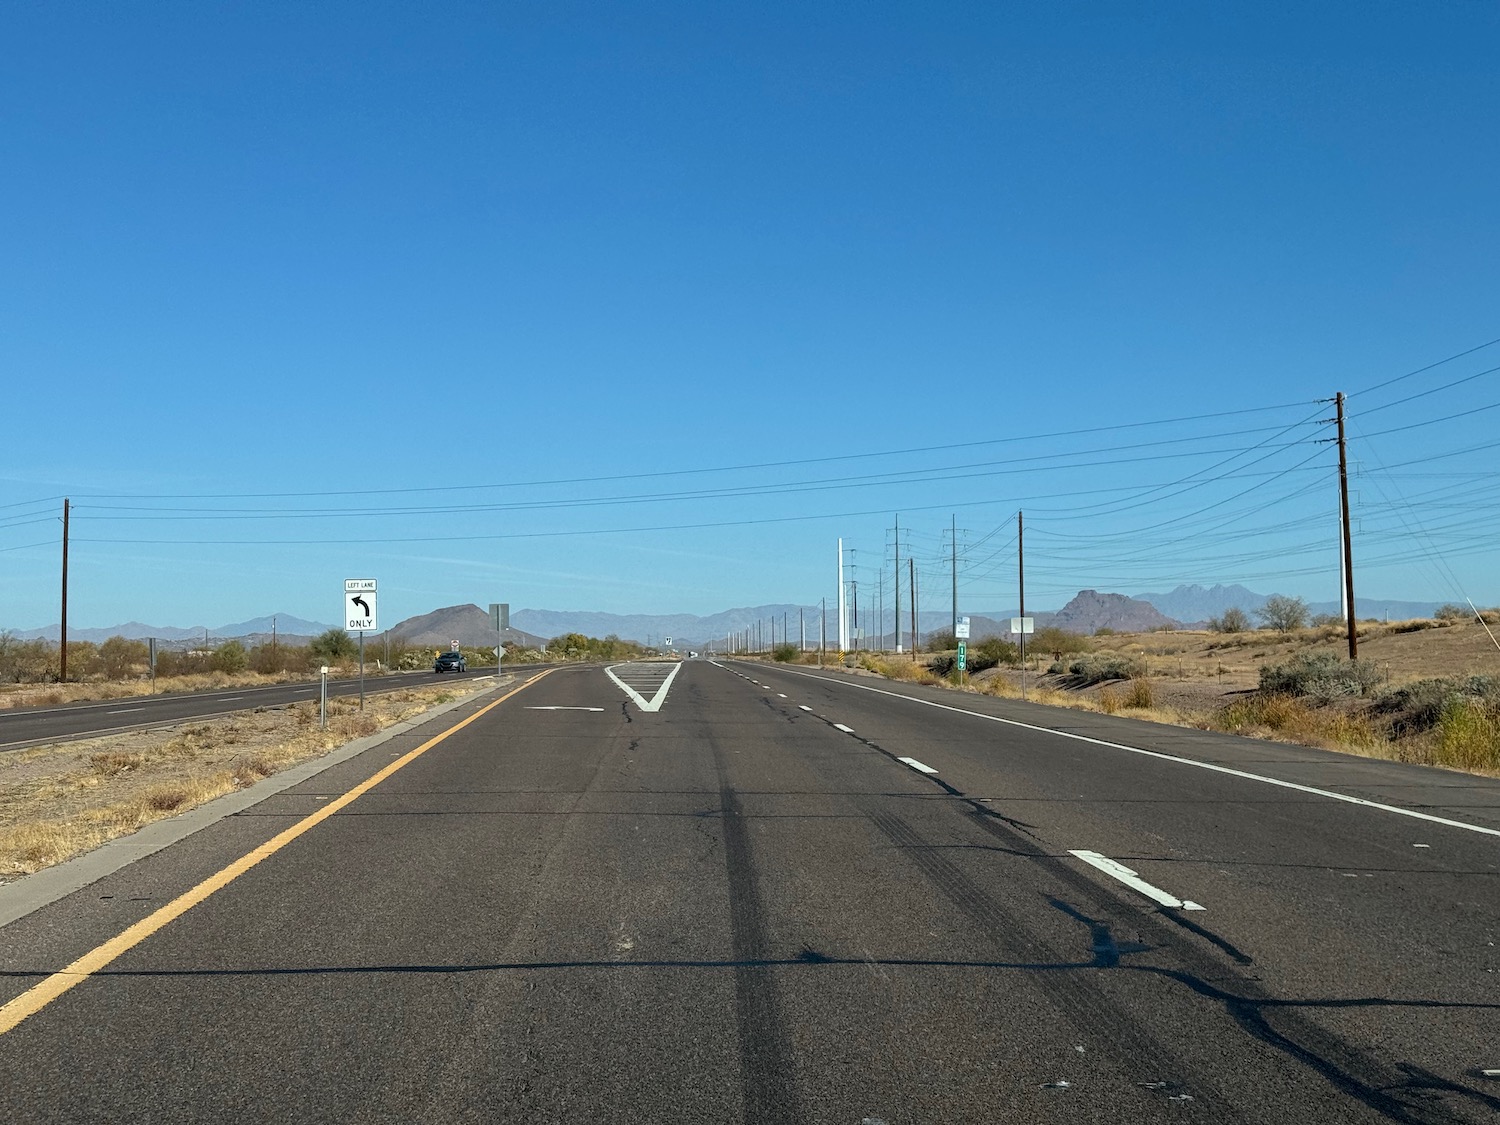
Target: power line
x=1429, y=367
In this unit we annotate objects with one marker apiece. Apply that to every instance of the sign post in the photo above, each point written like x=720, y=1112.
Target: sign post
x=1020, y=626
x=151, y=648
x=360, y=616
x=499, y=621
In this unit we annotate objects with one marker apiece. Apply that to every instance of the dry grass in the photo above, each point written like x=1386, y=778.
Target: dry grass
x=62, y=800
x=53, y=695
x=1208, y=681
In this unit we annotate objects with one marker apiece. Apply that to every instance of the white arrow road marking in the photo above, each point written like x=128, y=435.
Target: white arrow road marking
x=916, y=765
x=656, y=700
x=1135, y=882
x=565, y=708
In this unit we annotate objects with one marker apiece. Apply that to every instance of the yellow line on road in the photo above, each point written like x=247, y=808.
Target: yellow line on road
x=40, y=995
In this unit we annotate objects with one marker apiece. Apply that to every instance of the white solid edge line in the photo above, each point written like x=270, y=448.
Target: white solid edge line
x=124, y=711
x=842, y=727
x=1135, y=882
x=916, y=765
x=564, y=708
x=1346, y=798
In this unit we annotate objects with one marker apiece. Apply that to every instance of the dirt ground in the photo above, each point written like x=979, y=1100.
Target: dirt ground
x=60, y=800
x=1207, y=670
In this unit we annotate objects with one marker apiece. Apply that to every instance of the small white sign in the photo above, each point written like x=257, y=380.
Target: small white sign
x=1023, y=624
x=453, y=646
x=359, y=611
x=359, y=585
x=962, y=632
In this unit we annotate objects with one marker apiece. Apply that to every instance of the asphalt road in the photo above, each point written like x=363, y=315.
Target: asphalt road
x=748, y=906
x=32, y=726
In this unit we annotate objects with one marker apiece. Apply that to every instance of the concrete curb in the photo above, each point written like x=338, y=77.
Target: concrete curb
x=32, y=892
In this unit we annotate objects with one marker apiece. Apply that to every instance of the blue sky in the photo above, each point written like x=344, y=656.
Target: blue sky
x=466, y=297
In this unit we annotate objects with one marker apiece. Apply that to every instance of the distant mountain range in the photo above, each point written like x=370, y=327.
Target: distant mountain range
x=286, y=626
x=466, y=624
x=1087, y=612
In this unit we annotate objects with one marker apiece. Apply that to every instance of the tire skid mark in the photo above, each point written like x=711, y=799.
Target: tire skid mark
x=767, y=1080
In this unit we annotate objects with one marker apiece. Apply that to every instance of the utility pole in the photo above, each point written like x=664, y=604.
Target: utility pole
x=855, y=584
x=822, y=631
x=1021, y=584
x=911, y=569
x=1348, y=546
x=801, y=631
x=843, y=608
x=953, y=535
x=63, y=634
x=898, y=584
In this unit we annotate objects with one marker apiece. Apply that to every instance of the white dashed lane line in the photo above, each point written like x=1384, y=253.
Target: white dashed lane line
x=916, y=765
x=804, y=706
x=1133, y=881
x=842, y=727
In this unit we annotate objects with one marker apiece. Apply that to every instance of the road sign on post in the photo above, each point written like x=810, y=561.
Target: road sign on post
x=499, y=621
x=359, y=605
x=962, y=631
x=1023, y=625
x=963, y=657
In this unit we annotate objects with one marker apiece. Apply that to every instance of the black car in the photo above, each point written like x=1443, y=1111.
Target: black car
x=450, y=662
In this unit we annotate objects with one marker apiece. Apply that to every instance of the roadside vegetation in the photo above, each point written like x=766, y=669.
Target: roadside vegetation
x=119, y=668
x=60, y=800
x=1425, y=691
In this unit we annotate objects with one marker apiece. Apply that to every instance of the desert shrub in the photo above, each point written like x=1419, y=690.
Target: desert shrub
x=1234, y=620
x=1097, y=668
x=1139, y=693
x=1451, y=612
x=1283, y=614
x=332, y=644
x=1468, y=733
x=229, y=657
x=784, y=653
x=1416, y=625
x=944, y=641
x=992, y=651
x=118, y=657
x=1058, y=642
x=170, y=662
x=26, y=662
x=1319, y=675
x=1419, y=706
x=1109, y=702
x=1105, y=631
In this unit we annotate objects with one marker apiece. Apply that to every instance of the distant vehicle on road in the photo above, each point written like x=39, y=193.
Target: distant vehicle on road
x=450, y=662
